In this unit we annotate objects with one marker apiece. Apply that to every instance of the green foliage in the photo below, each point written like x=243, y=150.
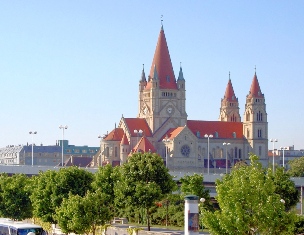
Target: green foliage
x=248, y=204
x=299, y=225
x=286, y=188
x=296, y=167
x=175, y=210
x=83, y=214
x=144, y=181
x=15, y=197
x=52, y=187
x=194, y=185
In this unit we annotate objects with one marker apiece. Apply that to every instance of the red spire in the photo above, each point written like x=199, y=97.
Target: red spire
x=255, y=90
x=229, y=94
x=162, y=64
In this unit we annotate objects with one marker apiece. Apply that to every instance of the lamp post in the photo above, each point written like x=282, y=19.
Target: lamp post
x=226, y=144
x=283, y=148
x=166, y=140
x=33, y=133
x=273, y=141
x=138, y=133
x=99, y=136
x=62, y=127
x=208, y=136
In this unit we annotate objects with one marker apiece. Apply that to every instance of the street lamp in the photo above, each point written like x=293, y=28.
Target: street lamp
x=138, y=133
x=166, y=140
x=273, y=141
x=283, y=148
x=226, y=144
x=99, y=136
x=208, y=136
x=33, y=133
x=62, y=127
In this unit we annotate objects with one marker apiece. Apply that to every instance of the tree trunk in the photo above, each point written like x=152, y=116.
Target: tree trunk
x=148, y=219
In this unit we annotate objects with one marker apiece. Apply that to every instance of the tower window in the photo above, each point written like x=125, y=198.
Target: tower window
x=260, y=150
x=168, y=78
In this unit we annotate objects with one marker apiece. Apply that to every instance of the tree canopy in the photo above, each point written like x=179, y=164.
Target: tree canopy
x=296, y=167
x=145, y=180
x=15, y=202
x=51, y=187
x=83, y=214
x=249, y=204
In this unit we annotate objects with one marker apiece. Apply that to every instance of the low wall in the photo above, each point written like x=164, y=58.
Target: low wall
x=123, y=231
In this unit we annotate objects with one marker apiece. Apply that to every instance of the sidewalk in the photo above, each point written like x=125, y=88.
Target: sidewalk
x=152, y=230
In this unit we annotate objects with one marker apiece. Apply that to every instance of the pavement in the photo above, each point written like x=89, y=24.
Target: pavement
x=156, y=229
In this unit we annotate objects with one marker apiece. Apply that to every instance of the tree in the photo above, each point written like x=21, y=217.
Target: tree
x=296, y=167
x=15, y=197
x=145, y=180
x=83, y=214
x=249, y=204
x=52, y=187
x=286, y=188
x=194, y=185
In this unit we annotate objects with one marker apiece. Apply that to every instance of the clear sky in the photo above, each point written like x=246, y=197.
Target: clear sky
x=78, y=63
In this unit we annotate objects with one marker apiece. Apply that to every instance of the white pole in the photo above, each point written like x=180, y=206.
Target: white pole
x=283, y=158
x=33, y=133
x=62, y=147
x=32, y=150
x=208, y=155
x=62, y=127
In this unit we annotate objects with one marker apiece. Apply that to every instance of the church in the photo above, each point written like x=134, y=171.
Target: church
x=162, y=125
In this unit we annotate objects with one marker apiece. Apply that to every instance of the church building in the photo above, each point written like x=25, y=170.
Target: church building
x=162, y=125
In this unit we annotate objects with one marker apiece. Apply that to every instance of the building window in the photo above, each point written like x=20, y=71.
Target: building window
x=84, y=151
x=115, y=152
x=68, y=150
x=76, y=150
x=240, y=153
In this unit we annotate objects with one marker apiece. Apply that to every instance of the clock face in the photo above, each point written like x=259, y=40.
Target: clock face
x=185, y=150
x=170, y=110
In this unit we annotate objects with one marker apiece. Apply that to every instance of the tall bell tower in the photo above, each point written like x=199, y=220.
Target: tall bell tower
x=229, y=111
x=255, y=125
x=161, y=97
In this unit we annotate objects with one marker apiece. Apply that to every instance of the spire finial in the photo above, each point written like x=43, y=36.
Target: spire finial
x=255, y=69
x=143, y=66
x=229, y=75
x=180, y=64
x=161, y=21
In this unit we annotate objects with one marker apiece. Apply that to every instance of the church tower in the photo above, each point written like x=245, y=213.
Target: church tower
x=229, y=111
x=255, y=126
x=161, y=97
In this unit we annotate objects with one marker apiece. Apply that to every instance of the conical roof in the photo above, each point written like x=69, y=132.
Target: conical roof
x=255, y=90
x=162, y=65
x=229, y=93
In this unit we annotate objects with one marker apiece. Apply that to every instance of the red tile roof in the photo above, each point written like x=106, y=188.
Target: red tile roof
x=115, y=135
x=124, y=140
x=172, y=133
x=144, y=145
x=255, y=90
x=162, y=62
x=224, y=129
x=138, y=124
x=229, y=94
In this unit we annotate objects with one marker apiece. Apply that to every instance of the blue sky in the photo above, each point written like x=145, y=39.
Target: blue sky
x=78, y=63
